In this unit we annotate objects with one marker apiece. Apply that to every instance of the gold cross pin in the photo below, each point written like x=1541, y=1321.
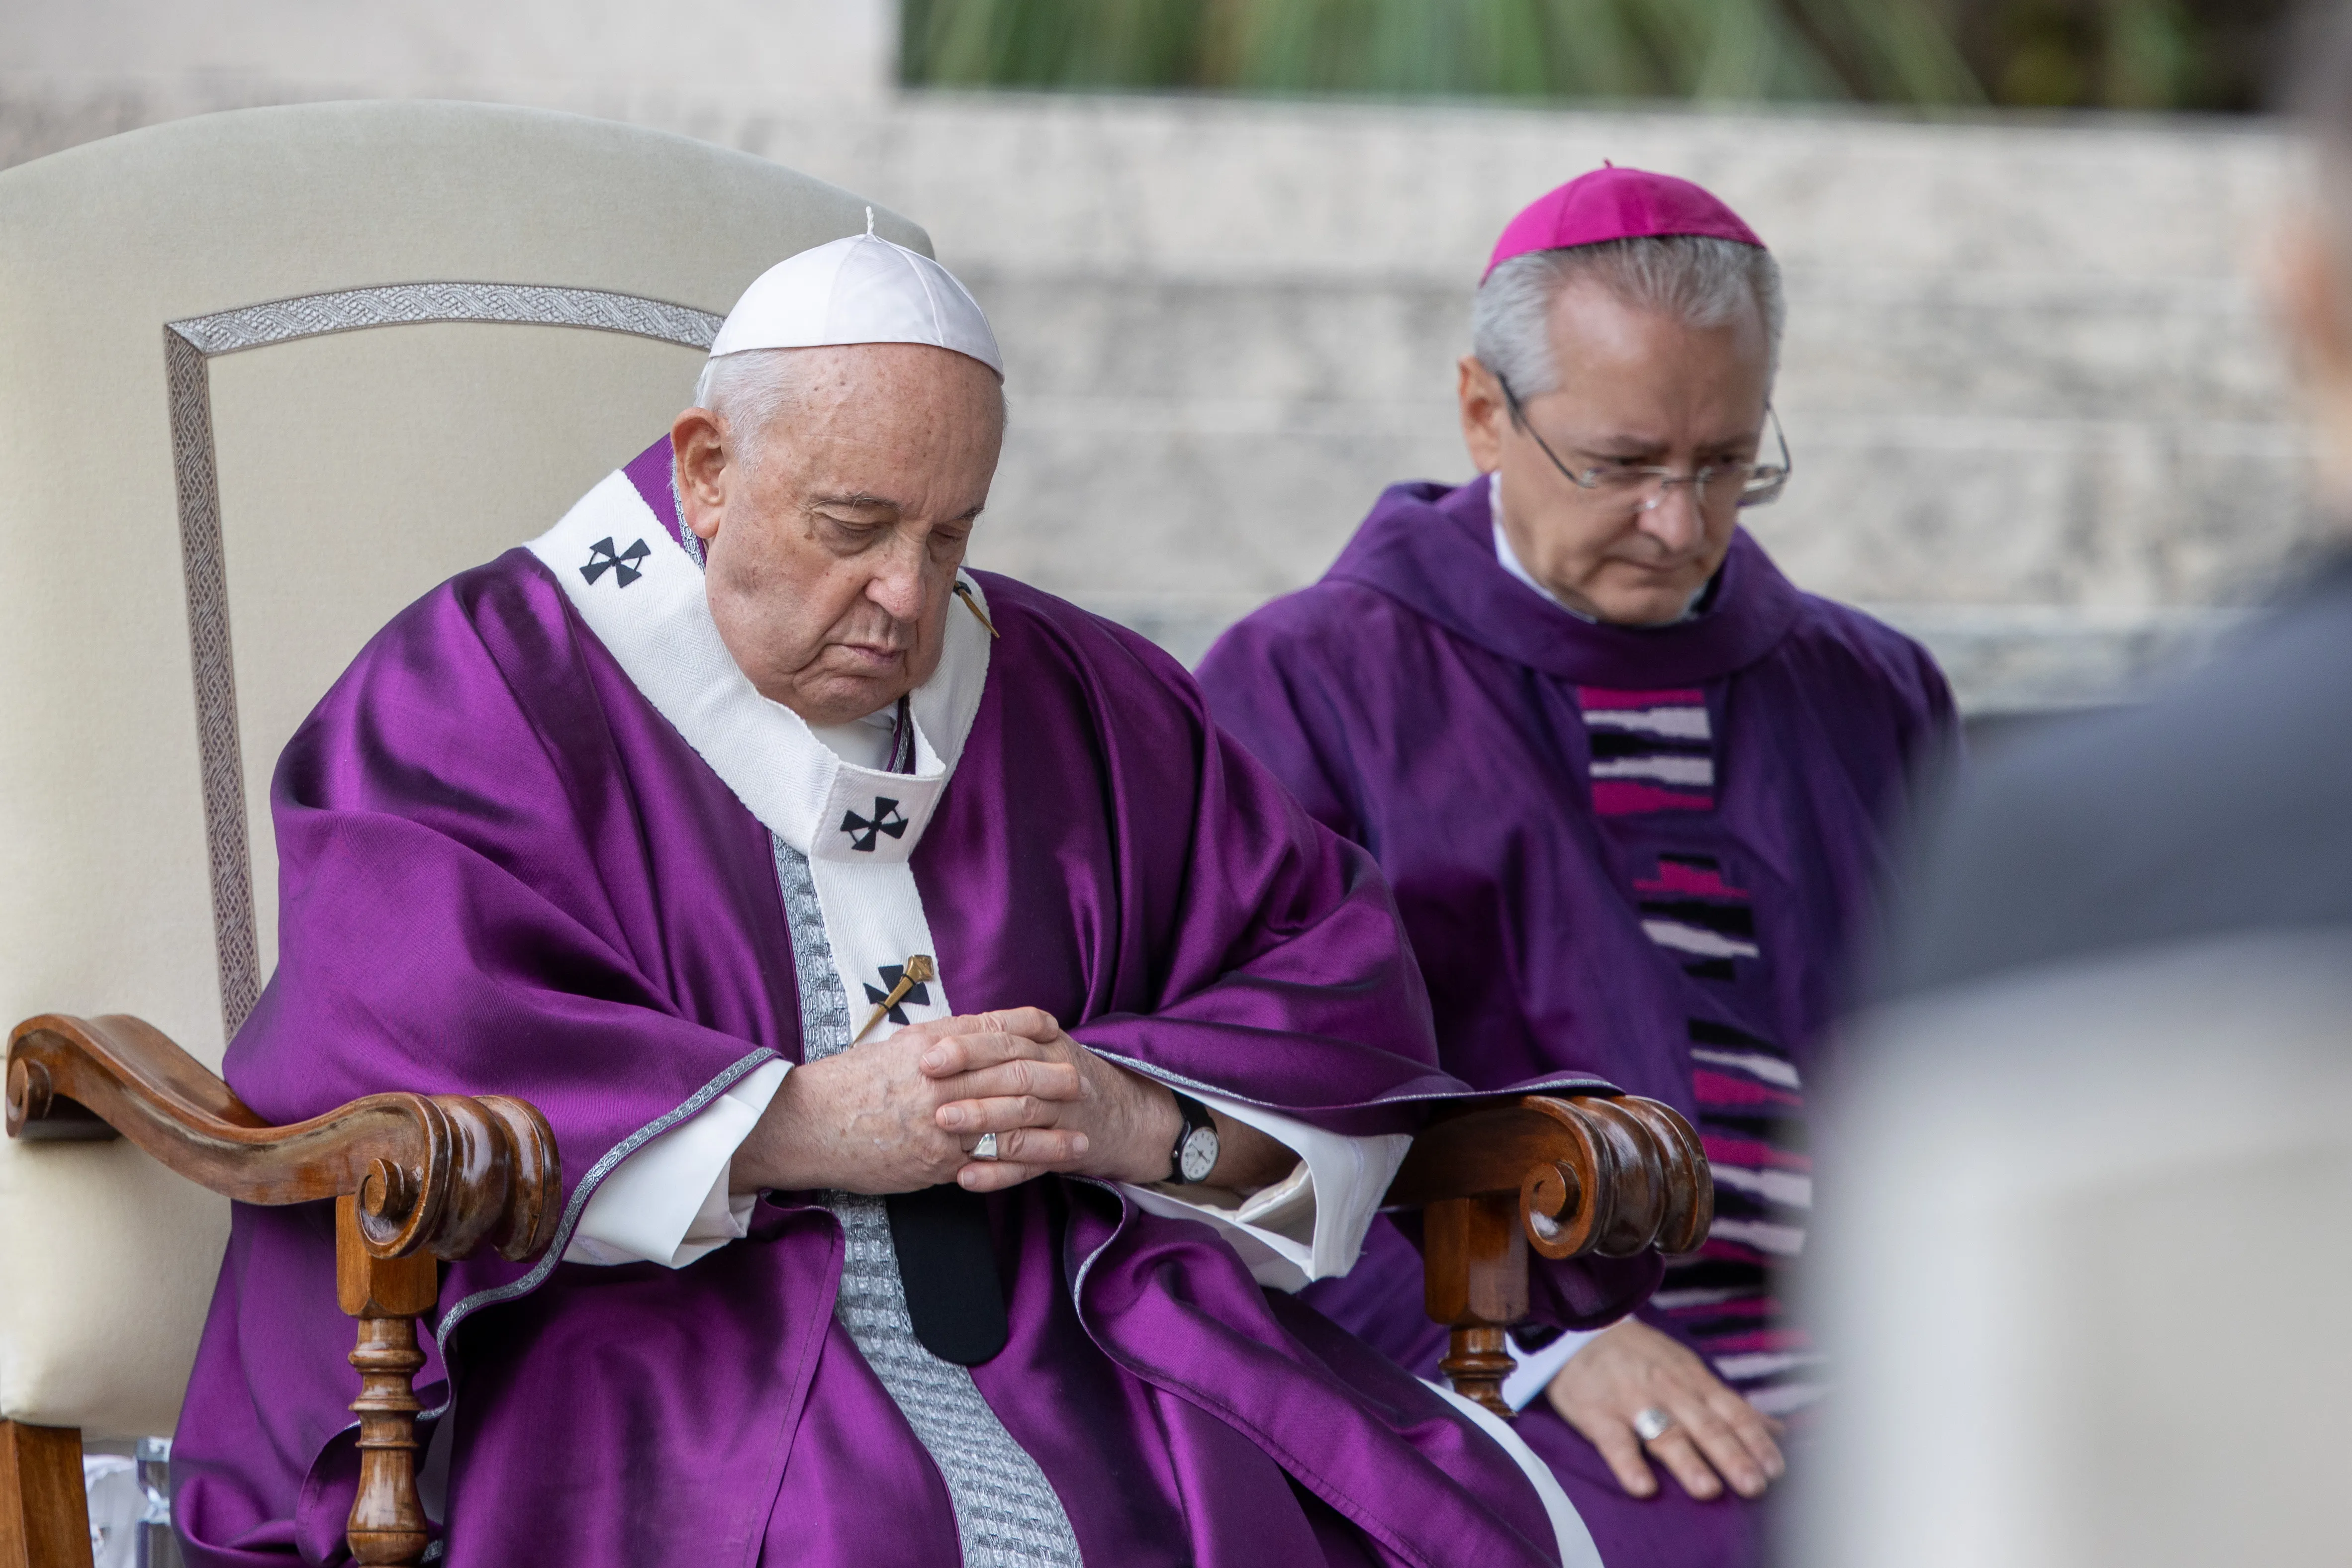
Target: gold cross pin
x=919, y=970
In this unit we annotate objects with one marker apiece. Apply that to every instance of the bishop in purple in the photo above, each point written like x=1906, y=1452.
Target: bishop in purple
x=1632, y=789
x=958, y=1050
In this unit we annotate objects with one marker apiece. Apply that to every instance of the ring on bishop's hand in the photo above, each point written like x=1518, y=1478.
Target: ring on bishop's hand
x=1652, y=1424
x=986, y=1148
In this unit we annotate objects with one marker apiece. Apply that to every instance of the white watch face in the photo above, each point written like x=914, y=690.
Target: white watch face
x=1200, y=1156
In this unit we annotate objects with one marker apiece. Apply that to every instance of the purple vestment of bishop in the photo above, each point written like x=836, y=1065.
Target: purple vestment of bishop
x=504, y=871
x=1642, y=853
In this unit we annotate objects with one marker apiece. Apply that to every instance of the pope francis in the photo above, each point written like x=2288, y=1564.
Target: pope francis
x=956, y=1049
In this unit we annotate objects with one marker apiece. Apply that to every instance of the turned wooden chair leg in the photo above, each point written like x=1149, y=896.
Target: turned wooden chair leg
x=387, y=1527
x=43, y=1511
x=1476, y=1282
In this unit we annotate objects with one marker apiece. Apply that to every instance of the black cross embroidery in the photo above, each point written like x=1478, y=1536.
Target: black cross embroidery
x=623, y=566
x=887, y=820
x=918, y=993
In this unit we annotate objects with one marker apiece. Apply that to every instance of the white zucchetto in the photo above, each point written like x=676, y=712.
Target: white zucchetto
x=860, y=289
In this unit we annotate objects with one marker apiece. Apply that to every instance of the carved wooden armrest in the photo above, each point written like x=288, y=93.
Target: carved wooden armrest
x=415, y=1177
x=1614, y=1175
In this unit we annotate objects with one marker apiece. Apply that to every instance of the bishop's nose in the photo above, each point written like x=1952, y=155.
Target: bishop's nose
x=1673, y=518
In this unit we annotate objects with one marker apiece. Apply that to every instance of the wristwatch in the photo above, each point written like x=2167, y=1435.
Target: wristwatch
x=1195, y=1154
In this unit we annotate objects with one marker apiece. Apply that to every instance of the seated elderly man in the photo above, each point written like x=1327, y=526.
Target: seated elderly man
x=824, y=897
x=1631, y=787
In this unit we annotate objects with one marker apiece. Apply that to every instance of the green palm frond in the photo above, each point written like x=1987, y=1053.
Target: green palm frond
x=1873, y=50
x=2123, y=54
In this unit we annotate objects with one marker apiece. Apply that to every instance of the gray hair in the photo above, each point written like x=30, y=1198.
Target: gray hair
x=1696, y=279
x=745, y=390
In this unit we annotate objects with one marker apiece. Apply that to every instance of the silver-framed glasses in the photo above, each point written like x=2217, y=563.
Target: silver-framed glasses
x=1753, y=483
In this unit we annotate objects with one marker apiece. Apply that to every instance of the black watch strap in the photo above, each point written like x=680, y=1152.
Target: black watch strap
x=1196, y=1138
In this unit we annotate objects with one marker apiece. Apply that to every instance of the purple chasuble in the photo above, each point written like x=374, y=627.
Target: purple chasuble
x=1642, y=853
x=503, y=871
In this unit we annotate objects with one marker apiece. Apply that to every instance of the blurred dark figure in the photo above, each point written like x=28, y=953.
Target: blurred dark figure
x=2194, y=55
x=2227, y=806
x=2082, y=1243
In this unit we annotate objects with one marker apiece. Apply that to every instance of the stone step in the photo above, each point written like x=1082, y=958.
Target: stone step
x=2026, y=367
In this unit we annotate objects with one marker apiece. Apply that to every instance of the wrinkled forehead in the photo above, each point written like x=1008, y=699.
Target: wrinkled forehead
x=901, y=405
x=1595, y=323
x=904, y=371
x=892, y=393
x=904, y=427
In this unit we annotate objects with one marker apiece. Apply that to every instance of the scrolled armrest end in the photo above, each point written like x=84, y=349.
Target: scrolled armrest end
x=442, y=1174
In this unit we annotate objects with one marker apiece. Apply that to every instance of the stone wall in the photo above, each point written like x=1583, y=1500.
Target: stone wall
x=2037, y=416
x=2036, y=413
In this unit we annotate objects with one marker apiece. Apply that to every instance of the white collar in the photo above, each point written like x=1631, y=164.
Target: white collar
x=866, y=741
x=657, y=623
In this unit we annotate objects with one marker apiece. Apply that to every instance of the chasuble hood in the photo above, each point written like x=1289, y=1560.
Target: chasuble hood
x=1430, y=547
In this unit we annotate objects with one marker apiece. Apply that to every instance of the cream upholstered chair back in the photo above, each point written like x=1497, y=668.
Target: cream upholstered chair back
x=2082, y=1268
x=265, y=378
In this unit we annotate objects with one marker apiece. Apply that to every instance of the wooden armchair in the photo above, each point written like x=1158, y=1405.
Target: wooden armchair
x=1615, y=1176
x=416, y=1178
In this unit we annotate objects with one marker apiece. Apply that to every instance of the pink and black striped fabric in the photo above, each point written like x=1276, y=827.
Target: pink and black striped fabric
x=1653, y=766
x=1651, y=751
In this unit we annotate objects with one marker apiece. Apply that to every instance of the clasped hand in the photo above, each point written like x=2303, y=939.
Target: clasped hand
x=901, y=1113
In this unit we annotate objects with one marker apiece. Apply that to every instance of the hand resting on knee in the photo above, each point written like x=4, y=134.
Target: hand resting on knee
x=1716, y=1435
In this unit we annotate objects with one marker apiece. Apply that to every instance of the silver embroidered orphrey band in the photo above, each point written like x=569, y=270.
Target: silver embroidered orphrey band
x=1006, y=1512
x=188, y=346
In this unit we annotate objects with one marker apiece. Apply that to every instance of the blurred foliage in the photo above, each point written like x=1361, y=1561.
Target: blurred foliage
x=2124, y=54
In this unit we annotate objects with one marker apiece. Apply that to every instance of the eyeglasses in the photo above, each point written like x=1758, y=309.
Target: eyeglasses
x=1749, y=483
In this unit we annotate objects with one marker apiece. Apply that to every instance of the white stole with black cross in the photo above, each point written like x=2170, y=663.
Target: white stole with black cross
x=642, y=596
